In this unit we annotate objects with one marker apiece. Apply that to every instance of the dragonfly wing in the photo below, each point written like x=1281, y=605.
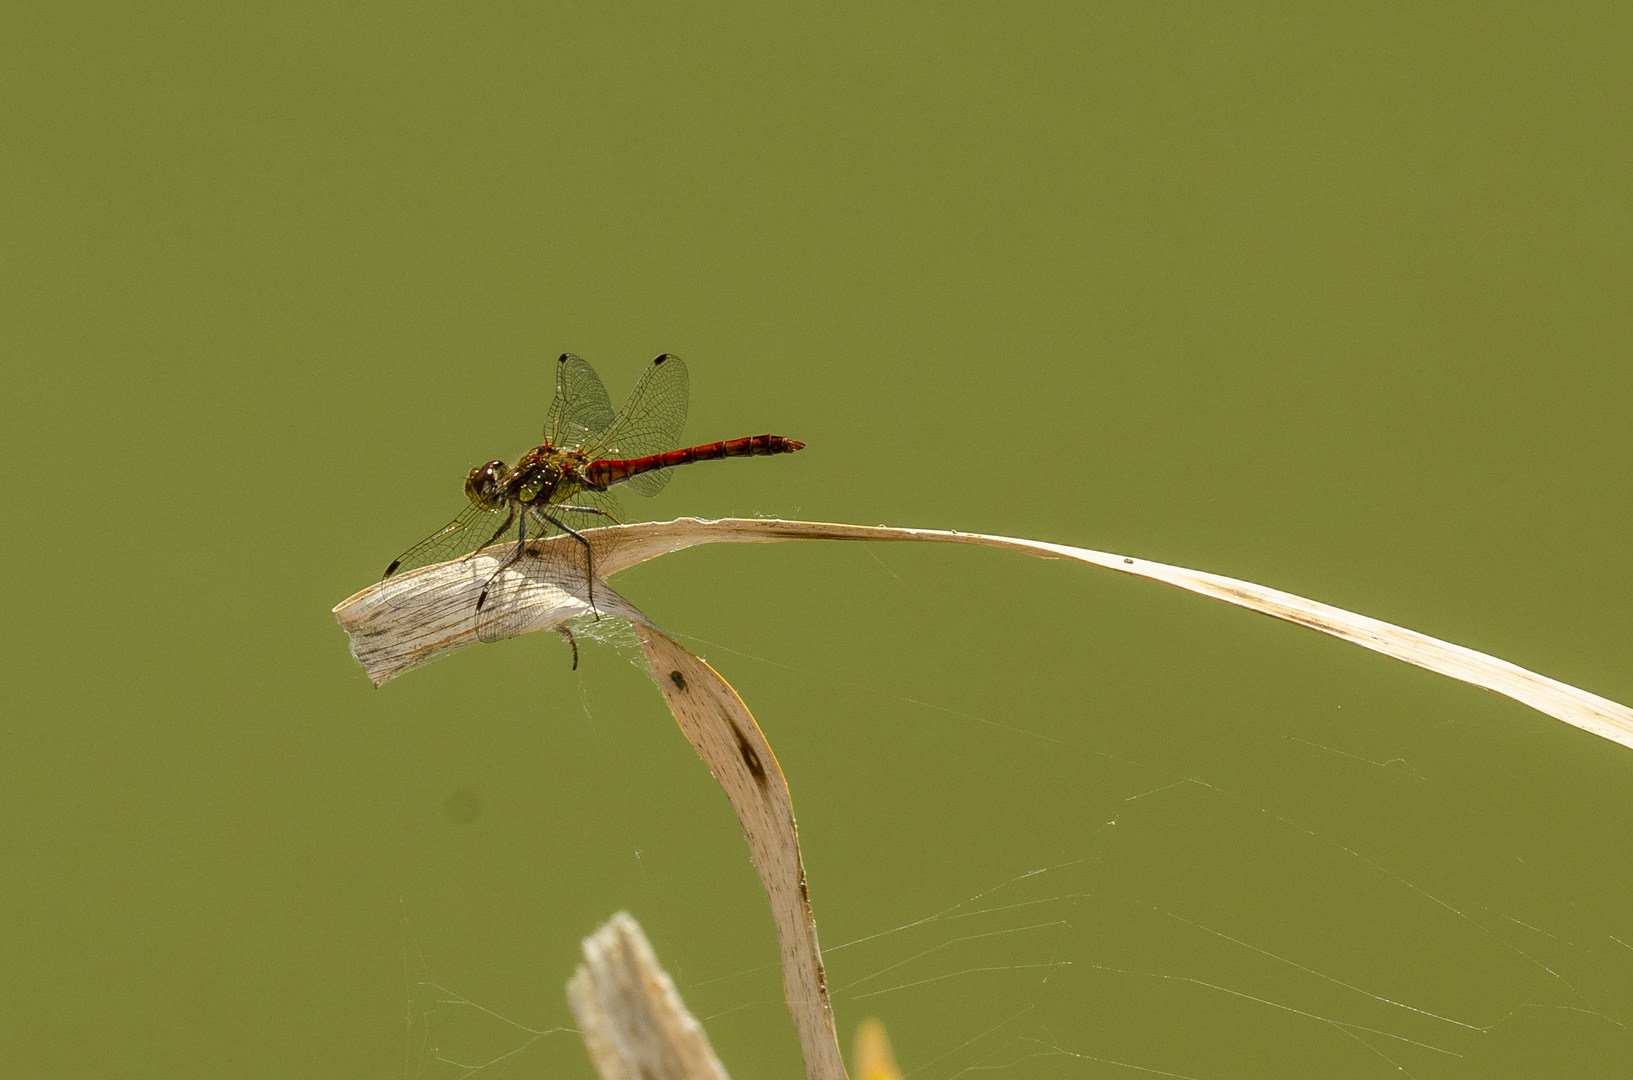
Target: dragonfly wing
x=581, y=407
x=475, y=528
x=520, y=596
x=651, y=421
x=649, y=483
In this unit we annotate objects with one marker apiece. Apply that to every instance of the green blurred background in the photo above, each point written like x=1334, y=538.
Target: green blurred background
x=1335, y=301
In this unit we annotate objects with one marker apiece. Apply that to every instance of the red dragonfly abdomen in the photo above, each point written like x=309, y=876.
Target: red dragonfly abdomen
x=606, y=471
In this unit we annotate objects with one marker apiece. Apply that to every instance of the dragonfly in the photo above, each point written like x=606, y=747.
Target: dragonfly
x=567, y=482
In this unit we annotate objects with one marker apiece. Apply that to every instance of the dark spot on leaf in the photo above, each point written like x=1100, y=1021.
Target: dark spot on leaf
x=750, y=758
x=1129, y=561
x=680, y=683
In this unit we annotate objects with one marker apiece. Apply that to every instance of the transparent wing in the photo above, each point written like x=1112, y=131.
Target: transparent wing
x=515, y=599
x=475, y=528
x=651, y=421
x=581, y=408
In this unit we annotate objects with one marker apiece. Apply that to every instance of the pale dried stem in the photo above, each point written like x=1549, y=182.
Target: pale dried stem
x=633, y=1022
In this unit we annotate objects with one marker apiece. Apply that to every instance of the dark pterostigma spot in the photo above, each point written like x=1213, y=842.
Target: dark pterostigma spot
x=750, y=758
x=680, y=683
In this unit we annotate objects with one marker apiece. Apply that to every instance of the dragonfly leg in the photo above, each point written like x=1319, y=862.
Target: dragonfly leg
x=521, y=545
x=500, y=531
x=589, y=552
x=497, y=533
x=571, y=640
x=590, y=510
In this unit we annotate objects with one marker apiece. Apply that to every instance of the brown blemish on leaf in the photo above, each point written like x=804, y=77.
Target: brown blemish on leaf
x=750, y=758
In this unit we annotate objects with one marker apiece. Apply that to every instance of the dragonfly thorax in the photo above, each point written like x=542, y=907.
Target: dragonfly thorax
x=544, y=476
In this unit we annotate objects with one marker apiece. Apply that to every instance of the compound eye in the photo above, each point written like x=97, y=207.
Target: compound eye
x=482, y=485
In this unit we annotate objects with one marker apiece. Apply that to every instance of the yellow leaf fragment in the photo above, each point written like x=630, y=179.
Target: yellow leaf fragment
x=872, y=1059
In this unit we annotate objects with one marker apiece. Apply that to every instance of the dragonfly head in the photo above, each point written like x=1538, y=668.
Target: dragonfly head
x=485, y=485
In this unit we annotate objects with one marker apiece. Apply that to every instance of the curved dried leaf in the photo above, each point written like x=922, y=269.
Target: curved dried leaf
x=722, y=730
x=404, y=636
